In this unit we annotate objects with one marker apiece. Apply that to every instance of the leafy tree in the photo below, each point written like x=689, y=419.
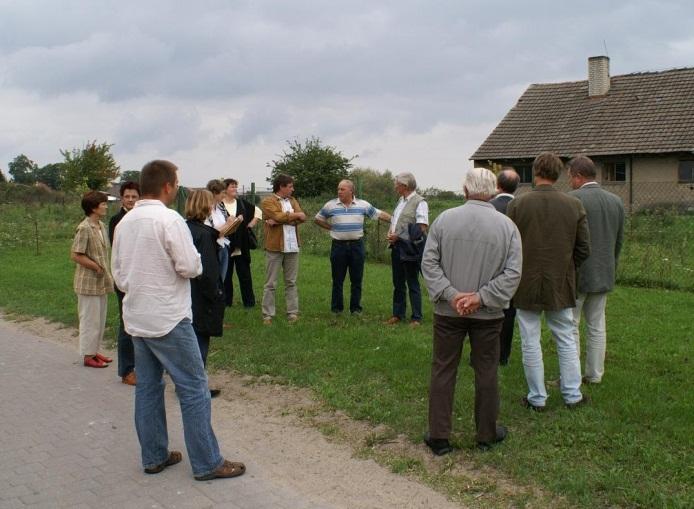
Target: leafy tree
x=127, y=175
x=52, y=175
x=374, y=186
x=23, y=170
x=91, y=167
x=316, y=169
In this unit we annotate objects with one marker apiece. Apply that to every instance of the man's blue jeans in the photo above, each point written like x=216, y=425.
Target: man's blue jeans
x=405, y=277
x=178, y=353
x=347, y=255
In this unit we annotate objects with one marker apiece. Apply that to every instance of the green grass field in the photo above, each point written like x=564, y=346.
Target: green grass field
x=631, y=447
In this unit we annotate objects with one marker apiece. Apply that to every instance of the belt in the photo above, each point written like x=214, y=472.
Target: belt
x=356, y=241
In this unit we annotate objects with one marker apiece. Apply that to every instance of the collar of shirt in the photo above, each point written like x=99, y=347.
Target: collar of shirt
x=592, y=182
x=504, y=194
x=145, y=202
x=352, y=202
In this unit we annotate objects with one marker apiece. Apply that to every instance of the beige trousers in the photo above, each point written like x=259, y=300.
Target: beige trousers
x=92, y=314
x=289, y=263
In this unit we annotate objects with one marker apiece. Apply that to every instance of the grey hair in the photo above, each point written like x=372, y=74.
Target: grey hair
x=480, y=182
x=406, y=179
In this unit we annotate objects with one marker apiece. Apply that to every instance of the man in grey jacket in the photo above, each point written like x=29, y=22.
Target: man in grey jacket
x=471, y=266
x=596, y=277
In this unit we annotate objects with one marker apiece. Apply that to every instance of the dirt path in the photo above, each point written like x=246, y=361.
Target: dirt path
x=266, y=423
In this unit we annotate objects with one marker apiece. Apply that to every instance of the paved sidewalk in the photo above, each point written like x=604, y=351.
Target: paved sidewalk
x=67, y=439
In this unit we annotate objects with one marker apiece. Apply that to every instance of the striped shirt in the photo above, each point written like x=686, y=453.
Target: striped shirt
x=347, y=222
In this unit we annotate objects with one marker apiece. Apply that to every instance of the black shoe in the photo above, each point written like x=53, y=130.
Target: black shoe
x=215, y=392
x=581, y=402
x=438, y=446
x=587, y=381
x=527, y=404
x=501, y=432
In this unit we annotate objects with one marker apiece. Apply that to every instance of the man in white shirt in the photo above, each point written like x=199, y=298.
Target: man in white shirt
x=152, y=262
x=406, y=237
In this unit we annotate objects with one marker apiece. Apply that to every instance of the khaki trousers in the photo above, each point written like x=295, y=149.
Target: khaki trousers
x=92, y=313
x=289, y=264
x=449, y=335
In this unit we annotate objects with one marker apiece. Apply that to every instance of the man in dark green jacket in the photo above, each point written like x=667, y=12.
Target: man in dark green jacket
x=596, y=276
x=556, y=241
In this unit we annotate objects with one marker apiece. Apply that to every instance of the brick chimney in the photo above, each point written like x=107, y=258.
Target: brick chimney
x=598, y=76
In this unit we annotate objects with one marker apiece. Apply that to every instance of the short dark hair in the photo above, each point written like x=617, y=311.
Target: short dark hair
x=91, y=200
x=155, y=174
x=547, y=166
x=508, y=179
x=228, y=182
x=582, y=166
x=281, y=180
x=215, y=186
x=129, y=185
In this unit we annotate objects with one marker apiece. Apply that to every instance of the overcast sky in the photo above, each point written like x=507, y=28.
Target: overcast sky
x=219, y=86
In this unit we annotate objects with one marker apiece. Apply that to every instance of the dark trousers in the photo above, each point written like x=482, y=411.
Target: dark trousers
x=204, y=344
x=242, y=264
x=506, y=334
x=126, y=351
x=405, y=277
x=449, y=335
x=347, y=255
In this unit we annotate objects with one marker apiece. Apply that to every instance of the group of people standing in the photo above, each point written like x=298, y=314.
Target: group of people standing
x=551, y=254
x=486, y=263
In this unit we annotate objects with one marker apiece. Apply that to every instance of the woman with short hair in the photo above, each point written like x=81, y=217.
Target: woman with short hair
x=92, y=282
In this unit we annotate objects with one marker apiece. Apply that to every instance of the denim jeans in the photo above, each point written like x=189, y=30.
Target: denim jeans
x=223, y=256
x=179, y=354
x=126, y=352
x=405, y=274
x=561, y=324
x=344, y=256
x=593, y=307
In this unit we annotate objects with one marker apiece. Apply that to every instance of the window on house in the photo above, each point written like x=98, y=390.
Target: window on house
x=615, y=171
x=525, y=172
x=686, y=172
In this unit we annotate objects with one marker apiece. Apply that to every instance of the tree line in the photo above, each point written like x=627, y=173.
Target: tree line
x=316, y=168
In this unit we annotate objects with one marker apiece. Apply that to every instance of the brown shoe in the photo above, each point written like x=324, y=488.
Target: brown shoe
x=415, y=323
x=292, y=318
x=228, y=469
x=174, y=457
x=130, y=379
x=267, y=320
x=392, y=320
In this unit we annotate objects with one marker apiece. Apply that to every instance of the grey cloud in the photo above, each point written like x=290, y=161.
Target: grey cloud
x=300, y=68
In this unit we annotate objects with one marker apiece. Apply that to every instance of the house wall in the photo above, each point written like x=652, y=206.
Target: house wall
x=654, y=181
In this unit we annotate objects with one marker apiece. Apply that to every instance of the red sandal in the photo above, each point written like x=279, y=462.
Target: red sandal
x=93, y=362
x=103, y=358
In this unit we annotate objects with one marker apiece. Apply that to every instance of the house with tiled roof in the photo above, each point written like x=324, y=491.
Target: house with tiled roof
x=638, y=128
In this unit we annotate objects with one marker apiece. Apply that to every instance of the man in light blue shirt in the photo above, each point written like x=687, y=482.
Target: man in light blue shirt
x=344, y=218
